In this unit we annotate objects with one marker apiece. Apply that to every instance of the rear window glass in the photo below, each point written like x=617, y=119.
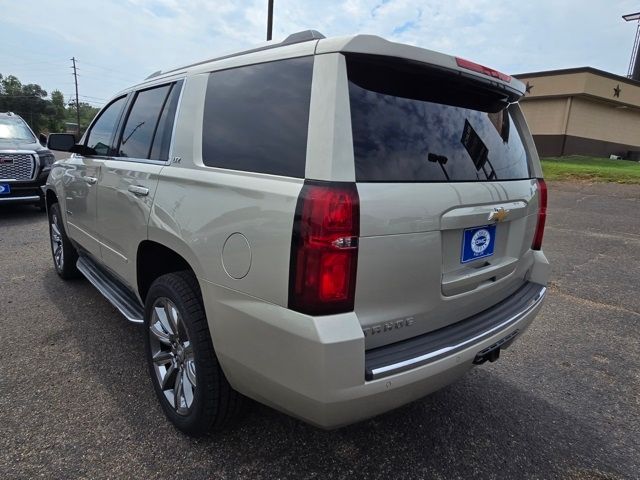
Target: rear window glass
x=412, y=126
x=256, y=117
x=162, y=138
x=141, y=124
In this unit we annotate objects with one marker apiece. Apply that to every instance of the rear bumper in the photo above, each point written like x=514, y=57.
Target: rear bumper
x=314, y=368
x=413, y=352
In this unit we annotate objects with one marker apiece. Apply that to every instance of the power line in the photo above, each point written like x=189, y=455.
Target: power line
x=91, y=96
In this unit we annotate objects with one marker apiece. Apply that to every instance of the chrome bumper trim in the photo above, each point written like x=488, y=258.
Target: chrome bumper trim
x=422, y=359
x=30, y=198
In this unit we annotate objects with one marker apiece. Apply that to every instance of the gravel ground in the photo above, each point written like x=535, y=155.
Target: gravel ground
x=562, y=402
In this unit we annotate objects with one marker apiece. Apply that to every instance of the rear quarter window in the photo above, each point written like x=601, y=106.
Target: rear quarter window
x=256, y=117
x=410, y=127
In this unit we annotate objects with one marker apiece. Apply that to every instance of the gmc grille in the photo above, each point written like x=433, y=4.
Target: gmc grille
x=17, y=166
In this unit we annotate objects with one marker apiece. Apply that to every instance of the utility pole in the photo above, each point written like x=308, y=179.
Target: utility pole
x=270, y=20
x=75, y=78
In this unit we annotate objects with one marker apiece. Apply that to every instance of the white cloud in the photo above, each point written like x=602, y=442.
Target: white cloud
x=118, y=42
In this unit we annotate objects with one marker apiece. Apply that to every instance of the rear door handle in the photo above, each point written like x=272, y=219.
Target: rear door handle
x=138, y=190
x=90, y=180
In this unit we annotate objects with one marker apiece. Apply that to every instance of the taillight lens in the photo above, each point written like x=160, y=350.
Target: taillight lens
x=542, y=215
x=476, y=67
x=324, y=249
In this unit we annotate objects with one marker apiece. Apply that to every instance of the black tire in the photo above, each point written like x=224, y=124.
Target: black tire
x=66, y=264
x=214, y=403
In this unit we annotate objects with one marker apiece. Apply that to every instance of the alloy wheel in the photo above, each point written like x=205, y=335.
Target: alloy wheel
x=172, y=355
x=56, y=243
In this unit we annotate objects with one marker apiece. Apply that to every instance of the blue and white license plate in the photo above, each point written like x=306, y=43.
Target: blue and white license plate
x=5, y=189
x=478, y=242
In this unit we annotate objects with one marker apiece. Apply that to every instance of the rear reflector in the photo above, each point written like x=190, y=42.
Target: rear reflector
x=324, y=249
x=476, y=67
x=542, y=215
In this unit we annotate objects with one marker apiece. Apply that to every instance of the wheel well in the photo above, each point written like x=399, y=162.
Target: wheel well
x=154, y=260
x=50, y=198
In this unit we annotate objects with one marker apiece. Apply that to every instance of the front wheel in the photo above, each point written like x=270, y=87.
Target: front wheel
x=64, y=254
x=185, y=372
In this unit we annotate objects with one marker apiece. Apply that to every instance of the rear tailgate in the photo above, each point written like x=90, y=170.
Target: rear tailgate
x=448, y=205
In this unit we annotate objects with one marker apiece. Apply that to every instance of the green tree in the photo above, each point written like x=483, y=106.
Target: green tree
x=28, y=101
x=43, y=115
x=56, y=112
x=87, y=112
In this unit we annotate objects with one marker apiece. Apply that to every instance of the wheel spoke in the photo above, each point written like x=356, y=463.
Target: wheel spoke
x=56, y=232
x=174, y=317
x=162, y=358
x=188, y=350
x=157, y=330
x=190, y=368
x=187, y=388
x=161, y=313
x=178, y=391
x=168, y=377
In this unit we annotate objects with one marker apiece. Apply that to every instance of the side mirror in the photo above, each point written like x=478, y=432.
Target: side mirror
x=42, y=138
x=62, y=142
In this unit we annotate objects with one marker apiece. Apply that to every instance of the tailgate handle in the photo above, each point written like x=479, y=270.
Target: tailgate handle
x=470, y=278
x=138, y=190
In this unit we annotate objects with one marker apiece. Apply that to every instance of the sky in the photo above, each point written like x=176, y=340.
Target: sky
x=118, y=43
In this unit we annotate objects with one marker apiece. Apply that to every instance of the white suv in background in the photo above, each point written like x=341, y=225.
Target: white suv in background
x=331, y=226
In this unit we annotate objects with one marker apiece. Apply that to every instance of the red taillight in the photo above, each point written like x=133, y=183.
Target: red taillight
x=542, y=215
x=324, y=249
x=476, y=67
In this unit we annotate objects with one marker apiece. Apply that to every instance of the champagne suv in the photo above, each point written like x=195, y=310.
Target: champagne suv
x=331, y=226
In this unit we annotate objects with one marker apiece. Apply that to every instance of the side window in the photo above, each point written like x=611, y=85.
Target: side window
x=256, y=117
x=101, y=134
x=162, y=139
x=141, y=123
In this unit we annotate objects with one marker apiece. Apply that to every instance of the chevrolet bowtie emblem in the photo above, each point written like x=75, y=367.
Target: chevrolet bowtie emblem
x=498, y=214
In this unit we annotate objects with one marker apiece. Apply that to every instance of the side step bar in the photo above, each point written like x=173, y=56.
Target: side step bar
x=119, y=296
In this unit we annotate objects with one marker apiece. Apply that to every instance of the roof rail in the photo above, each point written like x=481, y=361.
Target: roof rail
x=298, y=37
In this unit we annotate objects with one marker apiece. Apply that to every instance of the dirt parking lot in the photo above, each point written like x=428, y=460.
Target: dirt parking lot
x=562, y=402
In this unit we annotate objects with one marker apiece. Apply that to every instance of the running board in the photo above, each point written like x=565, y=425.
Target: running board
x=117, y=294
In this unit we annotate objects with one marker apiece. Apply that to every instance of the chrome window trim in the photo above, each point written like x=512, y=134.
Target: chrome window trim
x=173, y=130
x=398, y=367
x=134, y=160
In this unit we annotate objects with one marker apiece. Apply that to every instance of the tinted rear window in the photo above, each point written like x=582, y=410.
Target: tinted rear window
x=419, y=126
x=256, y=117
x=141, y=124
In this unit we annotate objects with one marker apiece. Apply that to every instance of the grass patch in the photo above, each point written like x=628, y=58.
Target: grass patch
x=578, y=167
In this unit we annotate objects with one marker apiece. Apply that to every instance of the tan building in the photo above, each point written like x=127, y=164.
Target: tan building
x=583, y=111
